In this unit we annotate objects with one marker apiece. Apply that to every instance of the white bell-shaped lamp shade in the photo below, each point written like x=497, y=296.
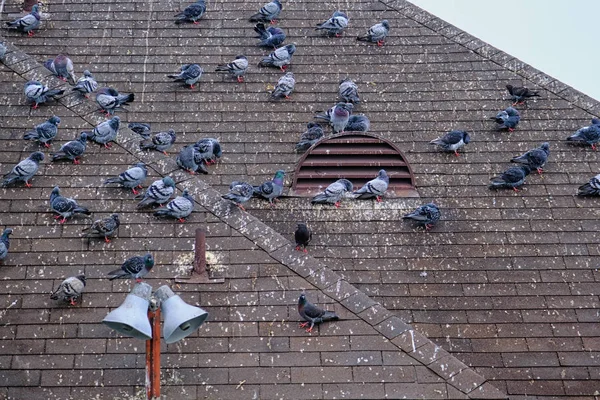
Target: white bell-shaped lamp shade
x=180, y=318
x=131, y=318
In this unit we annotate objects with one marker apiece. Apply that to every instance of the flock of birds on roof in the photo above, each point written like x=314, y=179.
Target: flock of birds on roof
x=195, y=158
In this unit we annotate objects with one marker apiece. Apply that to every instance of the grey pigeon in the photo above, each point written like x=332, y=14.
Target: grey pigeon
x=240, y=193
x=209, y=149
x=358, y=123
x=592, y=188
x=377, y=33
x=180, y=207
x=161, y=141
x=284, y=86
x=452, y=141
x=190, y=160
x=70, y=289
x=269, y=37
x=104, y=227
x=159, y=192
x=132, y=178
x=280, y=58
x=333, y=193
x=105, y=132
x=520, y=94
x=267, y=13
x=507, y=119
x=191, y=13
x=38, y=93
x=337, y=116
x=348, y=91
x=141, y=129
x=302, y=236
x=426, y=215
x=189, y=73
x=5, y=243
x=62, y=67
x=589, y=135
x=312, y=314
x=71, y=150
x=24, y=170
x=3, y=50
x=65, y=207
x=512, y=178
x=535, y=158
x=237, y=68
x=314, y=132
x=111, y=100
x=28, y=23
x=86, y=84
x=334, y=25
x=271, y=190
x=135, y=267
x=375, y=187
x=44, y=132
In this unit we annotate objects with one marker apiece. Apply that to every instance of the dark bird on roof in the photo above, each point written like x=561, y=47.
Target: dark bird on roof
x=37, y=93
x=375, y=188
x=141, y=129
x=28, y=23
x=427, y=215
x=269, y=37
x=44, y=132
x=452, y=141
x=377, y=33
x=302, y=236
x=240, y=193
x=337, y=116
x=159, y=192
x=62, y=67
x=267, y=13
x=279, y=58
x=65, y=207
x=589, y=135
x=179, y=208
x=285, y=86
x=70, y=289
x=189, y=73
x=333, y=193
x=313, y=314
x=512, y=178
x=191, y=13
x=132, y=178
x=237, y=68
x=271, y=190
x=72, y=150
x=535, y=158
x=592, y=188
x=358, y=123
x=110, y=100
x=520, y=94
x=24, y=170
x=313, y=133
x=161, y=141
x=334, y=25
x=106, y=132
x=190, y=160
x=507, y=119
x=135, y=267
x=104, y=227
x=348, y=91
x=86, y=84
x=209, y=150
x=5, y=243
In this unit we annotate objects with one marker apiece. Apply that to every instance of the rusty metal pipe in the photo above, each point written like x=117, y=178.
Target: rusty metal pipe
x=153, y=357
x=200, y=252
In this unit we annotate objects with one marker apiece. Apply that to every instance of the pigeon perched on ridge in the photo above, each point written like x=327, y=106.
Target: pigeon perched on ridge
x=313, y=133
x=426, y=215
x=190, y=74
x=592, y=188
x=209, y=149
x=512, y=178
x=28, y=23
x=377, y=33
x=71, y=150
x=269, y=37
x=3, y=50
x=86, y=84
x=520, y=94
x=334, y=25
x=279, y=58
x=105, y=132
x=333, y=193
x=507, y=119
x=189, y=159
x=302, y=236
x=237, y=68
x=374, y=188
x=161, y=141
x=179, y=208
x=135, y=267
x=267, y=13
x=313, y=314
x=284, y=86
x=358, y=123
x=337, y=116
x=452, y=141
x=240, y=193
x=24, y=170
x=105, y=227
x=5, y=243
x=38, y=93
x=65, y=207
x=587, y=135
x=271, y=190
x=348, y=91
x=159, y=192
x=44, y=132
x=111, y=100
x=70, y=289
x=132, y=178
x=141, y=129
x=191, y=13
x=62, y=67
x=535, y=158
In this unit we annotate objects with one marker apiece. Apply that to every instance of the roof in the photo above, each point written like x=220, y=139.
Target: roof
x=500, y=297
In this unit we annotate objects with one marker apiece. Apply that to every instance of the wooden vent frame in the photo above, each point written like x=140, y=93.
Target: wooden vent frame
x=354, y=156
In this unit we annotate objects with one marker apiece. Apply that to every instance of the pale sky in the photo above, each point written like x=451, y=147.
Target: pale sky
x=559, y=38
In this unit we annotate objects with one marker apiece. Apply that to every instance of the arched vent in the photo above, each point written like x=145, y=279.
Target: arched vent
x=357, y=157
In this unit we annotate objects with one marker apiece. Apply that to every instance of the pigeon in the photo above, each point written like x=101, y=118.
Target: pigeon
x=587, y=135
x=65, y=207
x=5, y=243
x=280, y=58
x=28, y=23
x=592, y=188
x=190, y=74
x=511, y=178
x=3, y=50
x=70, y=289
x=135, y=267
x=159, y=192
x=105, y=132
x=269, y=37
x=132, y=178
x=595, y=121
x=105, y=227
x=86, y=84
x=337, y=116
x=237, y=68
x=209, y=150
x=71, y=150
x=180, y=207
x=313, y=314
x=520, y=94
x=37, y=93
x=377, y=33
x=358, y=123
x=239, y=193
x=24, y=170
x=535, y=158
x=374, y=188
x=190, y=160
x=110, y=100
x=314, y=132
x=426, y=215
x=161, y=141
x=271, y=190
x=141, y=129
x=333, y=193
x=452, y=141
x=334, y=25
x=507, y=119
x=62, y=67
x=302, y=236
x=191, y=13
x=268, y=13
x=284, y=86
x=348, y=91
x=44, y=132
